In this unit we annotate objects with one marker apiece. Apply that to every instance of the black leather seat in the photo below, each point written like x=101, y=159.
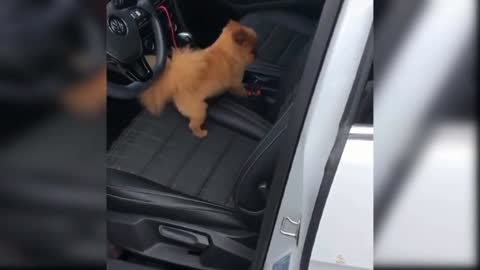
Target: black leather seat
x=157, y=167
x=281, y=37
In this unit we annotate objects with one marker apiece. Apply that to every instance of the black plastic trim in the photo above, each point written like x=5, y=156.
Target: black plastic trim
x=140, y=235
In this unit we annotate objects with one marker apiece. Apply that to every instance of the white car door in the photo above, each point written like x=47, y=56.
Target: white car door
x=319, y=139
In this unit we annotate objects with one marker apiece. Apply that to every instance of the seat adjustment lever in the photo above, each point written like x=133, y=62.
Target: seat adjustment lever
x=188, y=238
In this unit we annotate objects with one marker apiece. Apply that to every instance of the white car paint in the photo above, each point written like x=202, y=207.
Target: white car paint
x=345, y=234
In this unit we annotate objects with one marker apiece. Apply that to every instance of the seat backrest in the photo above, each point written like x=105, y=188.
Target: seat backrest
x=288, y=83
x=257, y=171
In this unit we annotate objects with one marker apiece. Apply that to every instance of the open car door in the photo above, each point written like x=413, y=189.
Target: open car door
x=318, y=131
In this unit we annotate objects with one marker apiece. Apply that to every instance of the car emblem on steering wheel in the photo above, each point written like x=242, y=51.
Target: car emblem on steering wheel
x=117, y=26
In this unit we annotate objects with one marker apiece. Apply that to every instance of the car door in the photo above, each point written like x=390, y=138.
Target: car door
x=343, y=42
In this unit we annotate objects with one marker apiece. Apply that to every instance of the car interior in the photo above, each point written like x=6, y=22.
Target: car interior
x=181, y=202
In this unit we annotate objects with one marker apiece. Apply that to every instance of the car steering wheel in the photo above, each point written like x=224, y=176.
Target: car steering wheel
x=125, y=46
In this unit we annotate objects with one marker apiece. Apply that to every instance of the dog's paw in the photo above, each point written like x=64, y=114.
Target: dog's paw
x=243, y=93
x=239, y=91
x=201, y=133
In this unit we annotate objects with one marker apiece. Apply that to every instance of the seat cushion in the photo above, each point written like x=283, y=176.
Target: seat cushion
x=131, y=193
x=163, y=150
x=238, y=118
x=281, y=36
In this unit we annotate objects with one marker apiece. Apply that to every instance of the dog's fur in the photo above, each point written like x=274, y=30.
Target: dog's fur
x=192, y=76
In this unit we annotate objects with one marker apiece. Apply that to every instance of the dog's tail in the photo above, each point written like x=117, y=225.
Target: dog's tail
x=155, y=98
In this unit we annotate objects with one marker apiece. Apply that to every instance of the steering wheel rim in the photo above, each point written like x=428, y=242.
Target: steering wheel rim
x=133, y=37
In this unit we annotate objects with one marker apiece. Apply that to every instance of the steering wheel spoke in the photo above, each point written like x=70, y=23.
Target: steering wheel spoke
x=139, y=70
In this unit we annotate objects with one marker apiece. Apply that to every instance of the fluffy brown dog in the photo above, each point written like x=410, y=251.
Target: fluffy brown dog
x=192, y=76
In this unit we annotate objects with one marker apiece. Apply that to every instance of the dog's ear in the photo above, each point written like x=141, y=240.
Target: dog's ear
x=240, y=36
x=232, y=23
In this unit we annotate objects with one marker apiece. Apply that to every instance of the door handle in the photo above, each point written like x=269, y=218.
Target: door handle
x=284, y=231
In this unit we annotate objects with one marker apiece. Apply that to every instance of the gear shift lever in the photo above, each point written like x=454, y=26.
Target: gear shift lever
x=185, y=38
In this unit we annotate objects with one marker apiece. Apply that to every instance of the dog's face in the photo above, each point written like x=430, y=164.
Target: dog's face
x=244, y=40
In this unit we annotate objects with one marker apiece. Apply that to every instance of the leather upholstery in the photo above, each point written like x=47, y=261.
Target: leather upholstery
x=283, y=39
x=158, y=166
x=164, y=151
x=289, y=83
x=236, y=117
x=130, y=192
x=259, y=168
x=280, y=36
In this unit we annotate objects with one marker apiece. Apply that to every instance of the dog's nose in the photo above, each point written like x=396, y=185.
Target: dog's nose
x=254, y=52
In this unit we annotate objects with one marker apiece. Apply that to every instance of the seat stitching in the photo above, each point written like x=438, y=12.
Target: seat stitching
x=306, y=23
x=136, y=145
x=261, y=123
x=255, y=24
x=160, y=192
x=182, y=164
x=217, y=162
x=257, y=154
x=152, y=122
x=218, y=211
x=118, y=156
x=116, y=144
x=256, y=159
x=267, y=39
x=286, y=48
x=122, y=137
x=161, y=147
x=135, y=173
x=229, y=199
x=260, y=31
x=147, y=134
x=266, y=137
x=248, y=115
x=249, y=119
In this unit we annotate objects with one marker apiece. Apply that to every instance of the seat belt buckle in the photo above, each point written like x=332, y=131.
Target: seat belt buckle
x=254, y=93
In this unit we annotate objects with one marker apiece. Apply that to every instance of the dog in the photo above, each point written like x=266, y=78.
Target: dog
x=192, y=76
